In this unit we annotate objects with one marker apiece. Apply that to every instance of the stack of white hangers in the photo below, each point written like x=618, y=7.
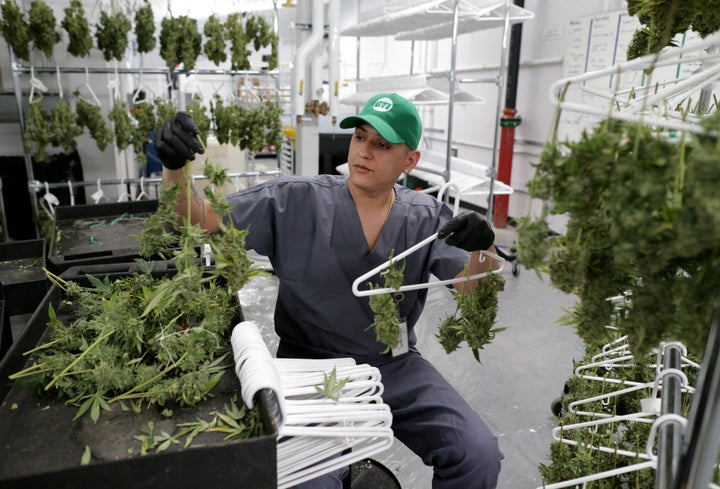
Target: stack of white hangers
x=316, y=434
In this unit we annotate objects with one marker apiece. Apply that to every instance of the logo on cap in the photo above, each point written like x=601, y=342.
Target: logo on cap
x=384, y=104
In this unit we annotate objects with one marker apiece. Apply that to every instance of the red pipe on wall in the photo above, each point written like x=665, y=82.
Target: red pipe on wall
x=508, y=123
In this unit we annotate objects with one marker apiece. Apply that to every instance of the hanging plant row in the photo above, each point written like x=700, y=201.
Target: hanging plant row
x=181, y=41
x=642, y=211
x=253, y=127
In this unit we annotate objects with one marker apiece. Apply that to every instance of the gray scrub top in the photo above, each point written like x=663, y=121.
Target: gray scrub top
x=309, y=229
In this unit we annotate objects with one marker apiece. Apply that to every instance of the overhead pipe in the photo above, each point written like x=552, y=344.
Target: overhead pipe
x=334, y=59
x=300, y=60
x=509, y=121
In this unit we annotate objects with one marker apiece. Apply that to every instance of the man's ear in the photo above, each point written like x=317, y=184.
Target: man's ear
x=413, y=157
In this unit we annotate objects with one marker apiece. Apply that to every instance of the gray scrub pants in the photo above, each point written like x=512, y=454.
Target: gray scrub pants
x=434, y=421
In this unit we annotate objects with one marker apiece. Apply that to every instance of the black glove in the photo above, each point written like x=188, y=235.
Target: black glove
x=177, y=141
x=468, y=231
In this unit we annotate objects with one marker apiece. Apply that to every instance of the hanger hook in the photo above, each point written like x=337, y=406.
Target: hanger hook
x=59, y=81
x=71, y=192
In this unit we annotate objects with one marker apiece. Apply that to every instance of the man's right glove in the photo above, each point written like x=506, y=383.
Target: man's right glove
x=468, y=231
x=177, y=141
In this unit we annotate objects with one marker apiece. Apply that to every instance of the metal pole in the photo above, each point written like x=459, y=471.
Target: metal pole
x=145, y=71
x=669, y=434
x=6, y=237
x=451, y=98
x=701, y=446
x=498, y=110
x=21, y=120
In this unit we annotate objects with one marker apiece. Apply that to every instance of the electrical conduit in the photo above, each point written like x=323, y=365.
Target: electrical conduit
x=301, y=55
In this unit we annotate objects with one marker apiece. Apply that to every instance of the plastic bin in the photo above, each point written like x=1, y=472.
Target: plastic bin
x=97, y=234
x=42, y=445
x=22, y=276
x=24, y=284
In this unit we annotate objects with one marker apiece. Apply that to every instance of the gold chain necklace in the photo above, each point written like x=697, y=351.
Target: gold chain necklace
x=392, y=201
x=390, y=206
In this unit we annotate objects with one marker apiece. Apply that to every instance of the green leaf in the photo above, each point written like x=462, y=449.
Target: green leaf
x=332, y=387
x=86, y=456
x=102, y=286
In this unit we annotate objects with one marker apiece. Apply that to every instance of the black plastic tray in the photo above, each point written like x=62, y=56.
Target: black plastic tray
x=97, y=234
x=42, y=446
x=22, y=276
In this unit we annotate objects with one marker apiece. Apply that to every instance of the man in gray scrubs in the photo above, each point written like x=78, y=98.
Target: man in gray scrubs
x=321, y=233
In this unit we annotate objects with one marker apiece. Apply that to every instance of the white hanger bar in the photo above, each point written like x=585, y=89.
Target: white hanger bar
x=36, y=185
x=94, y=99
x=665, y=57
x=59, y=82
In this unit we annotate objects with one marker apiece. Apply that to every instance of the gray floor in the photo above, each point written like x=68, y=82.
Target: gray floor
x=521, y=373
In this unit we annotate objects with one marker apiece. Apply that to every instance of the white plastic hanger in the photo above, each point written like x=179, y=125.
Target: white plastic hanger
x=94, y=100
x=388, y=290
x=49, y=202
x=99, y=195
x=36, y=84
x=140, y=90
x=71, y=191
x=142, y=195
x=316, y=434
x=124, y=196
x=641, y=110
x=441, y=195
x=649, y=454
x=59, y=82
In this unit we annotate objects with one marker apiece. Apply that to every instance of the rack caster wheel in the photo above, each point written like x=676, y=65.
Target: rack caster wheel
x=556, y=406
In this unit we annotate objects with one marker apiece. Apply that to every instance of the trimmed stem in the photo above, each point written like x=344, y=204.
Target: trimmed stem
x=127, y=395
x=79, y=358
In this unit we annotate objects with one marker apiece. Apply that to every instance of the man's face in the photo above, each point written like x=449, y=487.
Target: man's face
x=374, y=162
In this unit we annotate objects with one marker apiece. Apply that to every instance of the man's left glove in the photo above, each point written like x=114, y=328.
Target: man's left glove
x=468, y=231
x=177, y=141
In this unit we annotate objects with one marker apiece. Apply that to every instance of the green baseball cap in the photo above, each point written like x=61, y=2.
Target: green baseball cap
x=395, y=118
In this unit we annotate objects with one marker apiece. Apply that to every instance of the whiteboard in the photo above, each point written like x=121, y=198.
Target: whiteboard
x=597, y=42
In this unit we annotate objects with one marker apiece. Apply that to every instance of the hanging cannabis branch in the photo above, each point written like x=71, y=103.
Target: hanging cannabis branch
x=180, y=41
x=474, y=316
x=386, y=322
x=15, y=29
x=663, y=19
x=145, y=28
x=78, y=29
x=214, y=47
x=41, y=26
x=111, y=35
x=641, y=210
